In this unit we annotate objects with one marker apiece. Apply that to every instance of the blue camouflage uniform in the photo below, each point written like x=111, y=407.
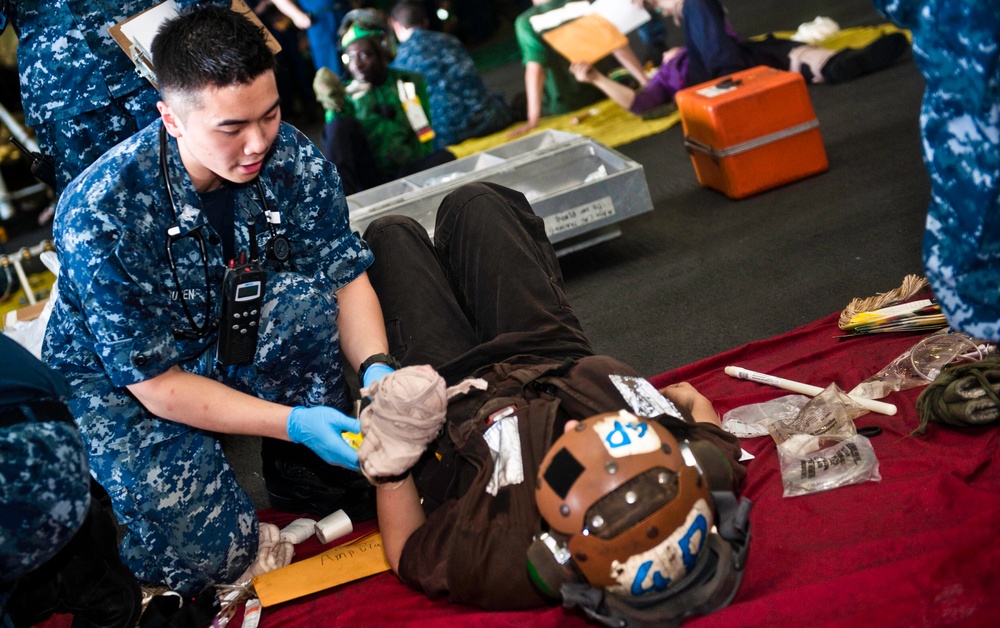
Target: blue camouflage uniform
x=118, y=321
x=81, y=93
x=460, y=103
x=44, y=483
x=956, y=43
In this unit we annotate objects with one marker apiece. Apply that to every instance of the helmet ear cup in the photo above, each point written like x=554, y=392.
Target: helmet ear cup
x=714, y=465
x=549, y=565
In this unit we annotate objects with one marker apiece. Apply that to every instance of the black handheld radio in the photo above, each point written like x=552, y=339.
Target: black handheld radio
x=243, y=296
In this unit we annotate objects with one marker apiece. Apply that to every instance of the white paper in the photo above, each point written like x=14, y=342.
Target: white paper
x=622, y=13
x=142, y=29
x=557, y=17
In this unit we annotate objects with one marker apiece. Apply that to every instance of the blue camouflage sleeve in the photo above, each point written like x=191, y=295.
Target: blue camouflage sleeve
x=111, y=277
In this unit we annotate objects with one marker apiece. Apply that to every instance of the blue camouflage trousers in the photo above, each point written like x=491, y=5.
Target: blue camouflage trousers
x=188, y=522
x=955, y=44
x=76, y=142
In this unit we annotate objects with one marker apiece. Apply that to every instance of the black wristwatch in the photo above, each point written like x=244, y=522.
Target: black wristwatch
x=378, y=358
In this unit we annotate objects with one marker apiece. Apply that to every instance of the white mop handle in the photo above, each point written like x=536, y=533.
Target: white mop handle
x=779, y=382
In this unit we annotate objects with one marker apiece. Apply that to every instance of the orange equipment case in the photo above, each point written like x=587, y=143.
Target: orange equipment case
x=751, y=131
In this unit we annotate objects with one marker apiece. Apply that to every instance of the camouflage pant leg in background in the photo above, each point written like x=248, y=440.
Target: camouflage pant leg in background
x=955, y=44
x=75, y=143
x=44, y=493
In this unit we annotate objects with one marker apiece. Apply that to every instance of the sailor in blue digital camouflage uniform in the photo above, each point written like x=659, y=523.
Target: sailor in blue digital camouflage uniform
x=57, y=545
x=136, y=323
x=461, y=105
x=80, y=92
x=957, y=46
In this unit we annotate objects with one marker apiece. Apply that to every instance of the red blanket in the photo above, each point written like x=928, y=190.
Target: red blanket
x=916, y=548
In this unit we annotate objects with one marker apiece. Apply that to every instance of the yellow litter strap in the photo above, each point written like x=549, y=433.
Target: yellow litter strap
x=345, y=563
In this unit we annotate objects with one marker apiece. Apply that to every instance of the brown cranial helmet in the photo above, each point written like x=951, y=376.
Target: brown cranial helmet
x=630, y=501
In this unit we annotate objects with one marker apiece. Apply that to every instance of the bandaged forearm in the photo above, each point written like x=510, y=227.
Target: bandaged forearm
x=407, y=411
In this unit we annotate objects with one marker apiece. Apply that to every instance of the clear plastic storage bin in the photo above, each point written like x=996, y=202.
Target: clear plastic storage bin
x=580, y=187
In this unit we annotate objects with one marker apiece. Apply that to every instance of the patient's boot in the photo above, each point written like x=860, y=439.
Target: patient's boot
x=298, y=481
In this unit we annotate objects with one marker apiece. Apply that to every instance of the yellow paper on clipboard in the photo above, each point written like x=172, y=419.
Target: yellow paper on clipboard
x=345, y=563
x=589, y=38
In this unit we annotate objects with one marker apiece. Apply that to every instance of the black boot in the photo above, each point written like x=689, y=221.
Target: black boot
x=87, y=579
x=298, y=481
x=851, y=63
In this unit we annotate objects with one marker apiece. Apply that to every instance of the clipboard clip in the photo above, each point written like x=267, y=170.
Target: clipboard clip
x=143, y=67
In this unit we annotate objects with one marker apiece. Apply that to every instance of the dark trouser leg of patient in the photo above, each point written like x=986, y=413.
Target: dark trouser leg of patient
x=425, y=323
x=492, y=290
x=506, y=275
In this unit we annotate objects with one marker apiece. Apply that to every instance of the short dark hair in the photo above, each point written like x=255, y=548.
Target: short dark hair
x=409, y=13
x=209, y=46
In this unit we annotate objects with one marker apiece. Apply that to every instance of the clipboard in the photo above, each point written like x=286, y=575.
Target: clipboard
x=589, y=38
x=602, y=29
x=135, y=34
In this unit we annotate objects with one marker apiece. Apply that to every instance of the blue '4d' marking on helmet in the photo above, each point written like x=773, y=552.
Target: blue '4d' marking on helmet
x=661, y=582
x=700, y=524
x=619, y=436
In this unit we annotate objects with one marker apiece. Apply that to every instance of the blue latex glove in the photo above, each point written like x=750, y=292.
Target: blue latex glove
x=374, y=373
x=319, y=428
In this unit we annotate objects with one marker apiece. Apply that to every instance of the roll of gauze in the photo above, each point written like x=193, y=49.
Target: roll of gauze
x=298, y=531
x=332, y=527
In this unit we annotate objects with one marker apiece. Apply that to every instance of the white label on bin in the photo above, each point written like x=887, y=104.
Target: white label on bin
x=715, y=90
x=579, y=216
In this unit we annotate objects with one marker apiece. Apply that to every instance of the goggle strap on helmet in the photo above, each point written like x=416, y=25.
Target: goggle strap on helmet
x=710, y=585
x=733, y=521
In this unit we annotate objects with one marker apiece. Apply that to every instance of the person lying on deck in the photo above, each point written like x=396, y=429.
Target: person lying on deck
x=456, y=507
x=713, y=49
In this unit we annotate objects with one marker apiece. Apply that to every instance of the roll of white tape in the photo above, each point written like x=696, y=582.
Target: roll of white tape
x=298, y=531
x=332, y=527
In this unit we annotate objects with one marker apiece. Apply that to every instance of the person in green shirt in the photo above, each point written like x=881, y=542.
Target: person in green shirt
x=378, y=126
x=549, y=86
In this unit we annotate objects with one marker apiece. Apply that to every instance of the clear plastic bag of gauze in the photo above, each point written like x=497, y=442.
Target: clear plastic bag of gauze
x=820, y=448
x=751, y=420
